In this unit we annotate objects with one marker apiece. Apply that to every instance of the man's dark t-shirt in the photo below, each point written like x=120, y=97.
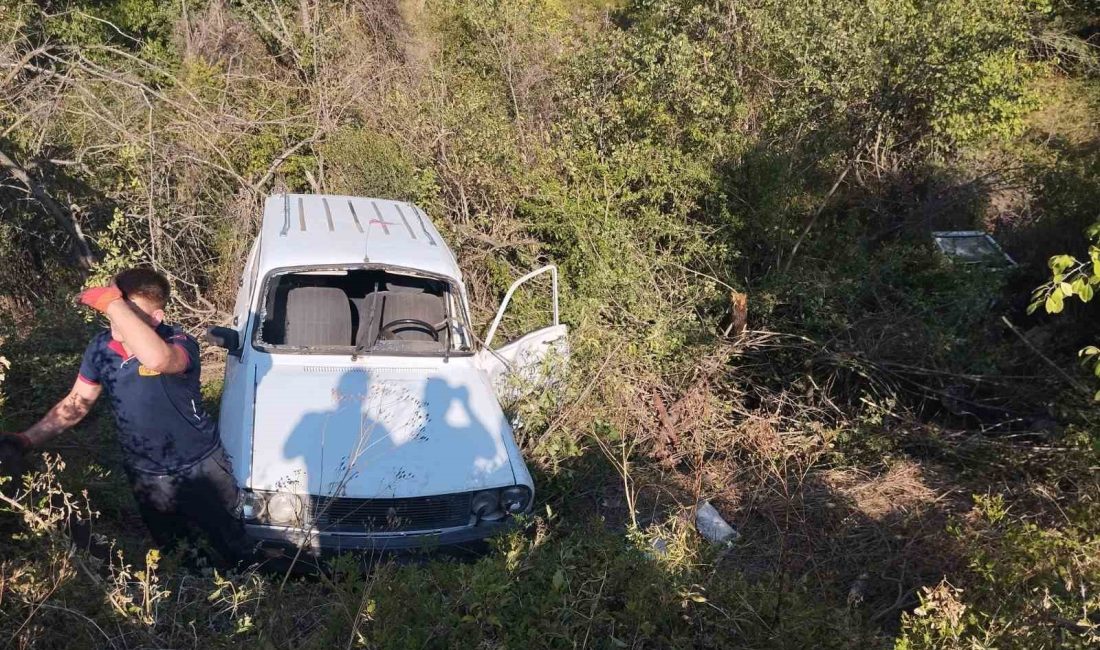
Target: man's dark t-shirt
x=162, y=425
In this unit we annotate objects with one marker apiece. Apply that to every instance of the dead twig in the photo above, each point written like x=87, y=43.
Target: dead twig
x=813, y=219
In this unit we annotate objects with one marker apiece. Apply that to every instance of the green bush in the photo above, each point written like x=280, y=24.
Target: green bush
x=1027, y=585
x=366, y=163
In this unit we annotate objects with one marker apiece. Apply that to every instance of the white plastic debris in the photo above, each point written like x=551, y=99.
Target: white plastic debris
x=711, y=525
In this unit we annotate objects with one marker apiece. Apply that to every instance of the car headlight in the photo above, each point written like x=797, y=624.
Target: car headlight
x=486, y=505
x=253, y=505
x=284, y=508
x=515, y=499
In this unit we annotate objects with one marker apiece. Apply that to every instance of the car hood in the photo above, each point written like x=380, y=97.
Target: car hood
x=378, y=432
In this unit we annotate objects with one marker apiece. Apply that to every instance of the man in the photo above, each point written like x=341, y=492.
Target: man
x=179, y=472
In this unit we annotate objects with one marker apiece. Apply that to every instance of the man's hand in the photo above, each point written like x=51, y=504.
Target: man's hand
x=12, y=461
x=18, y=439
x=100, y=298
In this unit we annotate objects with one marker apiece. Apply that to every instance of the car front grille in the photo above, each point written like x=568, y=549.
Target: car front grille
x=341, y=514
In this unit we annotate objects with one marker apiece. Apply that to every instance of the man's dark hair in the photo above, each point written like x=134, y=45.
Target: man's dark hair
x=146, y=283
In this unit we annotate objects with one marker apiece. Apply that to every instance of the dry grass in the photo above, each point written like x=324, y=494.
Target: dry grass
x=899, y=492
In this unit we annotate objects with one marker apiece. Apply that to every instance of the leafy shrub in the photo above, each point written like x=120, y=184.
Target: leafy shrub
x=1027, y=586
x=365, y=163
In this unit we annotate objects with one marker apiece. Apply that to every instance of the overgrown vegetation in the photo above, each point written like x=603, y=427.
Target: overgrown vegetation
x=910, y=457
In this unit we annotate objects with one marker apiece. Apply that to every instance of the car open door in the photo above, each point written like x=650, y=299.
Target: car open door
x=532, y=360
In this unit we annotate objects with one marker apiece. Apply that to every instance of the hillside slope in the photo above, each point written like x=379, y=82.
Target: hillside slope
x=910, y=458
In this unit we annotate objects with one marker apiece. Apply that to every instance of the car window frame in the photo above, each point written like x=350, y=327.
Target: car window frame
x=455, y=294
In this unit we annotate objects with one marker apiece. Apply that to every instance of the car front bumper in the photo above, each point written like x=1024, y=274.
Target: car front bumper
x=276, y=540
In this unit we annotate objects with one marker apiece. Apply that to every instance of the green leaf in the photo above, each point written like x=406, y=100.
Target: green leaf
x=1089, y=351
x=1096, y=396
x=1060, y=263
x=1054, y=303
x=1066, y=287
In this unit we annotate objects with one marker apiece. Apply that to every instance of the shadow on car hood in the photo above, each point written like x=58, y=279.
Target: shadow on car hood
x=378, y=432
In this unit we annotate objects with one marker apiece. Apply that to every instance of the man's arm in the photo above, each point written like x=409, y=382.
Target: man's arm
x=64, y=414
x=152, y=351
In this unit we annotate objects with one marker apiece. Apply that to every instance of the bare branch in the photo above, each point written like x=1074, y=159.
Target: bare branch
x=81, y=253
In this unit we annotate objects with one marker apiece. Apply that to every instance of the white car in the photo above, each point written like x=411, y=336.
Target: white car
x=359, y=407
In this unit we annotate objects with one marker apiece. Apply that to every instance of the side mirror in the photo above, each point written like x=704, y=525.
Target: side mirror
x=225, y=337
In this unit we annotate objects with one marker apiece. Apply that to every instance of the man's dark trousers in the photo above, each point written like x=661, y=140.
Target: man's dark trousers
x=204, y=494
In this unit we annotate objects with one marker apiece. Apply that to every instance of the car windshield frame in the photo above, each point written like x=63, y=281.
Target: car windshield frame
x=462, y=341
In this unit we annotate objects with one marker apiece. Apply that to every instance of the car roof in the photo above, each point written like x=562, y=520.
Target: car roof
x=326, y=230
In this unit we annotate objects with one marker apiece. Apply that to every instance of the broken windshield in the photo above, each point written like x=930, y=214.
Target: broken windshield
x=360, y=311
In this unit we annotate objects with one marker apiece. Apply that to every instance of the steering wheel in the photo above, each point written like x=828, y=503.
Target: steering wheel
x=415, y=322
